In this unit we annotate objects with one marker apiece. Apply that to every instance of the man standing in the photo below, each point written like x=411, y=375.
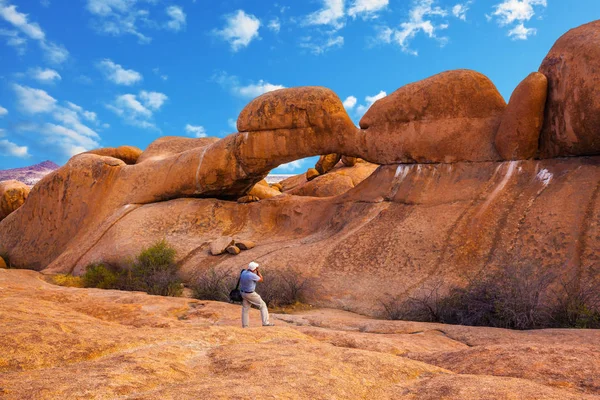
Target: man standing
x=248, y=280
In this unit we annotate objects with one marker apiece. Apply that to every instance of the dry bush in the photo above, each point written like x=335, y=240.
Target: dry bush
x=517, y=297
x=284, y=288
x=214, y=285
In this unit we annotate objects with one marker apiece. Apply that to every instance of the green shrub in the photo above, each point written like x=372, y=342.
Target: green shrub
x=101, y=277
x=68, y=280
x=154, y=271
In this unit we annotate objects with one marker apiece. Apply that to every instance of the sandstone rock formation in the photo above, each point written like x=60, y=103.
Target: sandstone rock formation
x=350, y=161
x=311, y=174
x=128, y=154
x=519, y=132
x=220, y=245
x=132, y=345
x=12, y=196
x=233, y=249
x=245, y=244
x=327, y=162
x=572, y=116
x=407, y=223
x=3, y=263
x=449, y=117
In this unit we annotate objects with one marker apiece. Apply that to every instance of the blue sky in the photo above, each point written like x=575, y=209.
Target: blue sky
x=82, y=74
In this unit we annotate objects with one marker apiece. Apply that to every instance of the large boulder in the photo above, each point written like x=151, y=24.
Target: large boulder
x=220, y=245
x=12, y=196
x=519, y=132
x=572, y=118
x=128, y=154
x=337, y=181
x=449, y=117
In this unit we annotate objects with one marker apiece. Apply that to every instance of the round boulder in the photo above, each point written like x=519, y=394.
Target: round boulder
x=327, y=162
x=519, y=132
x=3, y=263
x=220, y=245
x=301, y=107
x=12, y=196
x=449, y=117
x=572, y=117
x=311, y=174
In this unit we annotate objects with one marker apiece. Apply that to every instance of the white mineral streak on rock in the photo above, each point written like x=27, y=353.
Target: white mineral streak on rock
x=198, y=170
x=509, y=173
x=545, y=176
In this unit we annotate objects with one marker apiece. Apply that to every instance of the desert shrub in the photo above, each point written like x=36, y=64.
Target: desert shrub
x=514, y=297
x=100, y=276
x=577, y=302
x=284, y=288
x=68, y=280
x=154, y=271
x=214, y=285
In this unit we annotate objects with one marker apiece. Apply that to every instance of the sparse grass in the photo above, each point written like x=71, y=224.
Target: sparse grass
x=67, y=280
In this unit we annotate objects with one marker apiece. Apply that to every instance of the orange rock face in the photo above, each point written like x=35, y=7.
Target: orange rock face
x=128, y=154
x=336, y=182
x=3, y=263
x=449, y=117
x=12, y=196
x=572, y=117
x=166, y=146
x=519, y=132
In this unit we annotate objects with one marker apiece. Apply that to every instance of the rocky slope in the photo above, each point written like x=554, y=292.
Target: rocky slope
x=58, y=342
x=29, y=175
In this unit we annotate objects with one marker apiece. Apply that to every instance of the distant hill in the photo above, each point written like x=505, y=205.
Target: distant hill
x=29, y=175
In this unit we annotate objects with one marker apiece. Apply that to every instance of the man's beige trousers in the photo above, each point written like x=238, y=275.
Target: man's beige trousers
x=253, y=298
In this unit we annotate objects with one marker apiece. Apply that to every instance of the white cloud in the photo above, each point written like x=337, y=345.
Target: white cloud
x=153, y=100
x=367, y=8
x=256, y=89
x=3, y=111
x=33, y=101
x=361, y=109
x=510, y=11
x=88, y=115
x=291, y=166
x=54, y=53
x=177, y=16
x=117, y=74
x=232, y=123
x=118, y=17
x=10, y=149
x=460, y=10
x=419, y=21
x=251, y=90
x=240, y=29
x=519, y=32
x=20, y=20
x=196, y=130
x=350, y=102
x=44, y=75
x=274, y=25
x=156, y=71
x=517, y=11
x=68, y=135
x=331, y=14
x=138, y=112
x=319, y=47
x=14, y=39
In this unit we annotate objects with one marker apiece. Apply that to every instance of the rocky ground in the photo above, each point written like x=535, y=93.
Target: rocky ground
x=69, y=343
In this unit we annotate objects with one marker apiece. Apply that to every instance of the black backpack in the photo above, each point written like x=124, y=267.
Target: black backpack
x=235, y=296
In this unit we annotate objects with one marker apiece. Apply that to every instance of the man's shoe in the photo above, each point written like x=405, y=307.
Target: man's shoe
x=270, y=324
